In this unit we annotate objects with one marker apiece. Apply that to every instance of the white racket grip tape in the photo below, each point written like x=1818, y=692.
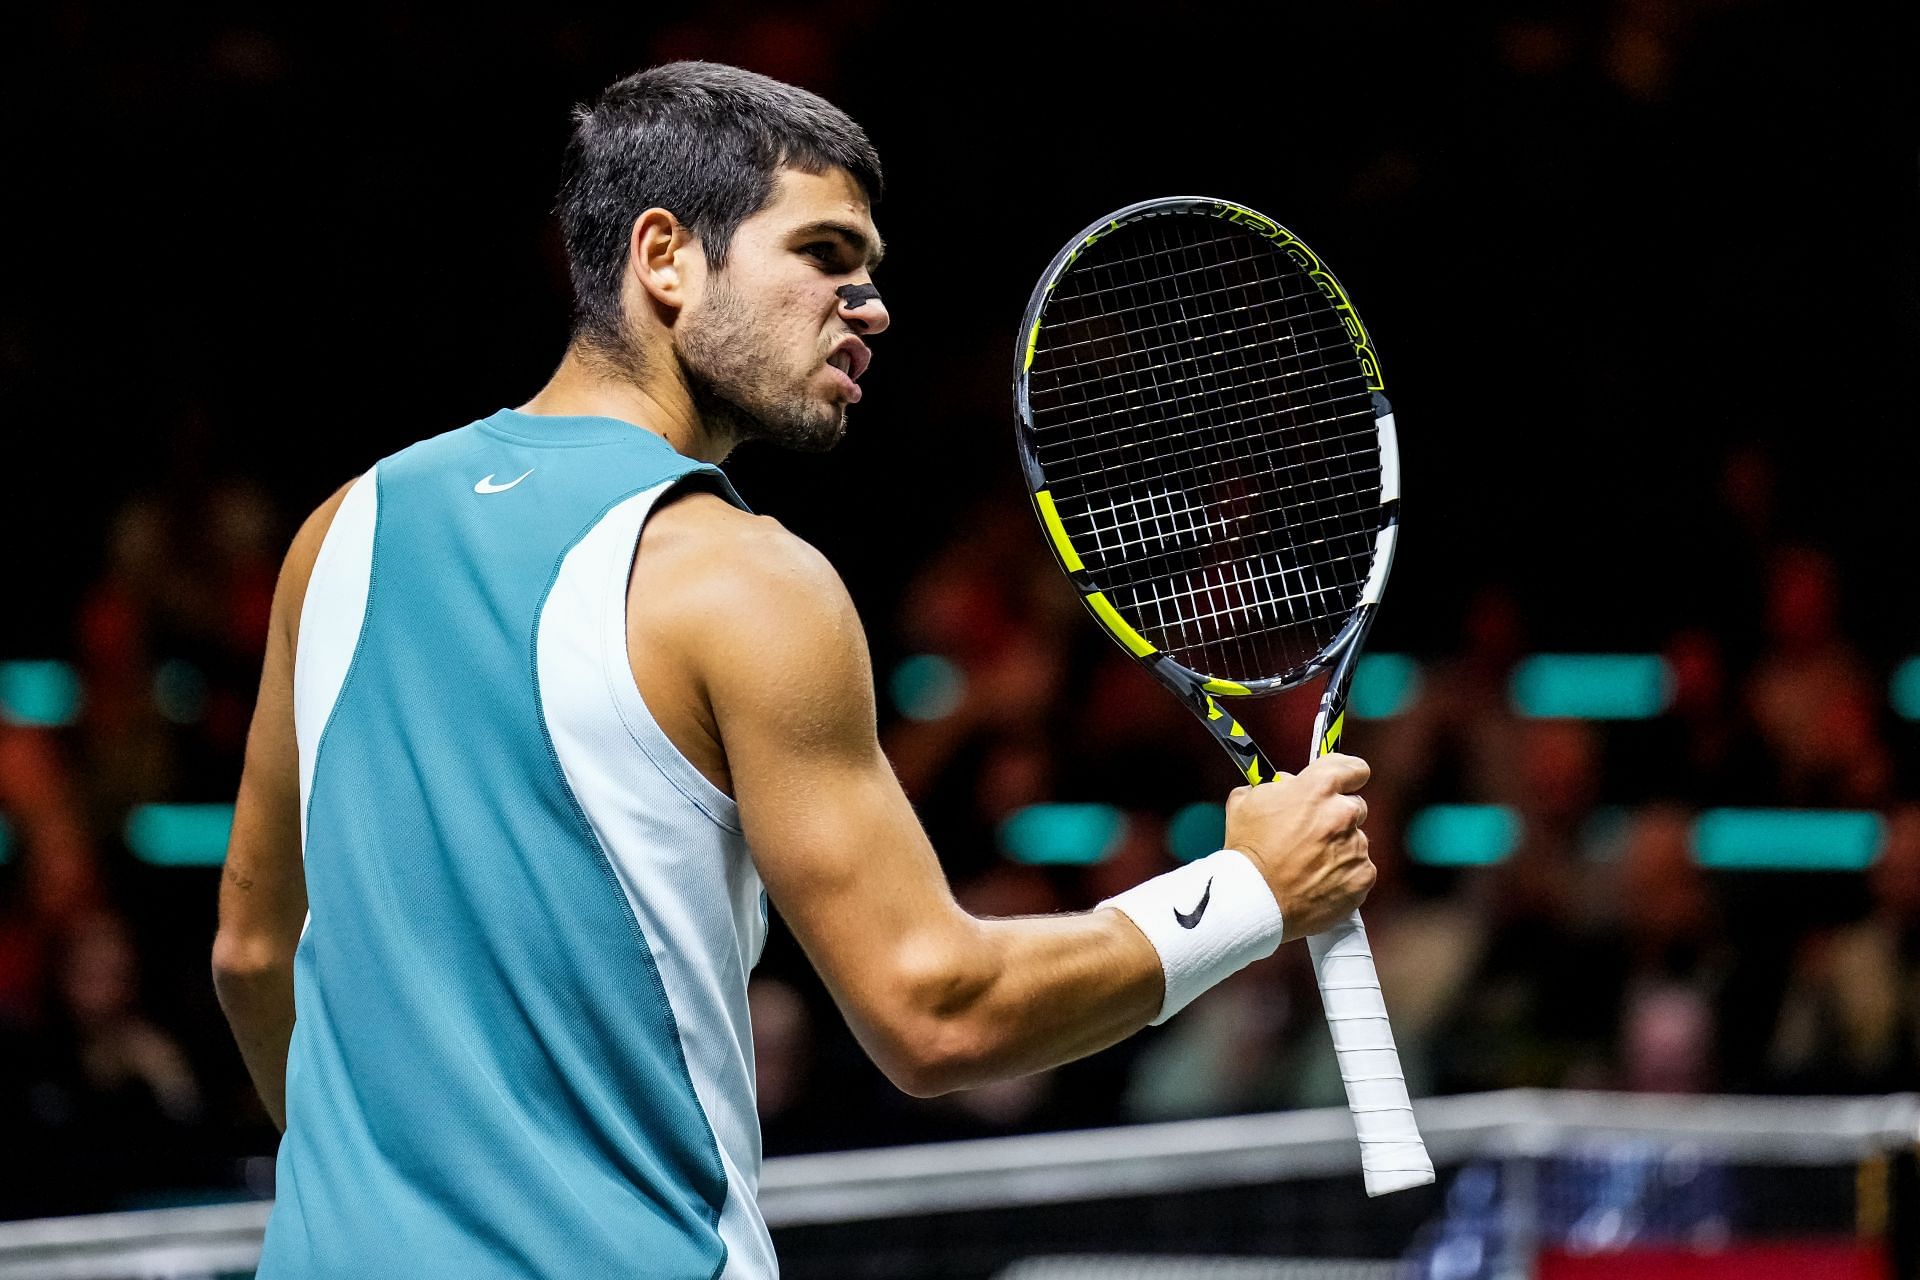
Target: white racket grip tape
x=1392, y=1156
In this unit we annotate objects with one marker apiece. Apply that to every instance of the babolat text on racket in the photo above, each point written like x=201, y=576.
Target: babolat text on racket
x=1204, y=431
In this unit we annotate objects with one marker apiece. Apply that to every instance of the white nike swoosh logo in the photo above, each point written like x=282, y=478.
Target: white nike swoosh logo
x=488, y=486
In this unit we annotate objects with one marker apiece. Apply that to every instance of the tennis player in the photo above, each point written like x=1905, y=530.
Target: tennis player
x=545, y=707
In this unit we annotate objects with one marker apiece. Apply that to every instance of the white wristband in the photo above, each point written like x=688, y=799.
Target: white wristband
x=1208, y=919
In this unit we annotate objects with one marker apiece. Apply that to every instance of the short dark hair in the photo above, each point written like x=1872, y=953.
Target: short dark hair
x=700, y=140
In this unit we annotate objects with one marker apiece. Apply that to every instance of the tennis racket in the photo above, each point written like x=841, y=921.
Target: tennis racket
x=1203, y=429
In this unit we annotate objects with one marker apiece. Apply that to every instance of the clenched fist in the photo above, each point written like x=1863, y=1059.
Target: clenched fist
x=1303, y=832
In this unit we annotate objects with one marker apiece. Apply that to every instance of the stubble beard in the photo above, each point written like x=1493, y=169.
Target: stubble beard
x=726, y=352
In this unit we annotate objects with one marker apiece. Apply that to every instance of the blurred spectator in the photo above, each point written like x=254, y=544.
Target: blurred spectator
x=121, y=620
x=792, y=1115
x=57, y=878
x=1811, y=696
x=1850, y=1022
x=1535, y=1011
x=1704, y=749
x=109, y=1100
x=1459, y=738
x=1227, y=1053
x=1674, y=959
x=171, y=638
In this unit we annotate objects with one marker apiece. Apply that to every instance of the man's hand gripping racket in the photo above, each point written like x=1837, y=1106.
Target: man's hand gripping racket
x=1203, y=430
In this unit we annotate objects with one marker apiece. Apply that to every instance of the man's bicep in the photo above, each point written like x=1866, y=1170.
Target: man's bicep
x=790, y=673
x=836, y=840
x=845, y=860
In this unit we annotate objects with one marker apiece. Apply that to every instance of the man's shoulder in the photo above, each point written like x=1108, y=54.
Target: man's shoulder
x=731, y=592
x=297, y=566
x=711, y=547
x=755, y=618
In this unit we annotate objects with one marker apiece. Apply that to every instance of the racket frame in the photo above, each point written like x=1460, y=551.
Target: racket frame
x=1393, y=1157
x=1198, y=690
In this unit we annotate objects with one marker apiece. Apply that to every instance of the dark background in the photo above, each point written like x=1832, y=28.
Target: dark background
x=1599, y=245
x=1644, y=279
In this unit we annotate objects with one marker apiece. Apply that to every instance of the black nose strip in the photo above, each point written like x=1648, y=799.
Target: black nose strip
x=855, y=296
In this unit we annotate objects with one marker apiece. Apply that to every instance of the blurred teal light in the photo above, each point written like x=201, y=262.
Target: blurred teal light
x=6, y=841
x=1906, y=689
x=180, y=835
x=40, y=695
x=1196, y=831
x=1062, y=835
x=927, y=687
x=1788, y=839
x=1384, y=684
x=1591, y=686
x=1463, y=835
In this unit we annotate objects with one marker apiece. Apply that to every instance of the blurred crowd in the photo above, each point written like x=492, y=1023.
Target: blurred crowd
x=1499, y=179
x=1597, y=955
x=113, y=1067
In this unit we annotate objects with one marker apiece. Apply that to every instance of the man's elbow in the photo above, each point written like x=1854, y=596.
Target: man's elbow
x=244, y=961
x=935, y=1058
x=939, y=1036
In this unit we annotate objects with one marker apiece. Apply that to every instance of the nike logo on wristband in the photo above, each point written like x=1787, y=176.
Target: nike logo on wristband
x=1189, y=919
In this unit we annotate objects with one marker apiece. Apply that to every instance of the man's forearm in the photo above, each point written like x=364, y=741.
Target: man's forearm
x=258, y=1001
x=1036, y=992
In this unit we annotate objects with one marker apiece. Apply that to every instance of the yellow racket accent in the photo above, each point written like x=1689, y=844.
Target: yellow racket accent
x=1055, y=530
x=1233, y=726
x=1332, y=738
x=1227, y=687
x=1110, y=617
x=1253, y=771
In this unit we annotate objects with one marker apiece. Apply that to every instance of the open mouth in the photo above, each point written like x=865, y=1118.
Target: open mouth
x=851, y=357
x=843, y=375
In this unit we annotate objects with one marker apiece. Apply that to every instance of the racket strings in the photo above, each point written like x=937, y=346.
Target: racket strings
x=1242, y=595
x=1149, y=553
x=1255, y=395
x=1174, y=460
x=1193, y=401
x=1248, y=598
x=1233, y=309
x=1146, y=520
x=1290, y=367
x=1243, y=248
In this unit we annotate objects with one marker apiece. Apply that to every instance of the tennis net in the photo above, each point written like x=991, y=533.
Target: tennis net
x=1558, y=1185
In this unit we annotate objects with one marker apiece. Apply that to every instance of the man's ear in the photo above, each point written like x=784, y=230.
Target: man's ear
x=661, y=257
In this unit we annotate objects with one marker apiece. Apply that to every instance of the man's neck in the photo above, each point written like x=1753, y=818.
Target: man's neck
x=585, y=386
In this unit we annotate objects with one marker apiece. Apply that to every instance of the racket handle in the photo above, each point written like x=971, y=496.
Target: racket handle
x=1392, y=1156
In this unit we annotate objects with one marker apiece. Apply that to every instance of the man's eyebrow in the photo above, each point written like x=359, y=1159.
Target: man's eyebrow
x=872, y=250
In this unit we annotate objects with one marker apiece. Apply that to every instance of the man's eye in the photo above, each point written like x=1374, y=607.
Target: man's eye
x=827, y=255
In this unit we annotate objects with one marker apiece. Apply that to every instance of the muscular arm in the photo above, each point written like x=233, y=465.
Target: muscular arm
x=940, y=999
x=766, y=666
x=263, y=891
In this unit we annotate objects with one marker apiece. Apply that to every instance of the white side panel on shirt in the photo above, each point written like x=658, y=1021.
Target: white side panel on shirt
x=675, y=843
x=330, y=620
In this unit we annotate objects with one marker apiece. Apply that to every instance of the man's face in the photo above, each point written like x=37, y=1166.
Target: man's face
x=771, y=351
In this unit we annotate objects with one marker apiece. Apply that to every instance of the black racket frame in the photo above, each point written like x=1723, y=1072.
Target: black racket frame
x=1200, y=692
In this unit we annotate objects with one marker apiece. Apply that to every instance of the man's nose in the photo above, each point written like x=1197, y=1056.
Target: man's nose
x=860, y=306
